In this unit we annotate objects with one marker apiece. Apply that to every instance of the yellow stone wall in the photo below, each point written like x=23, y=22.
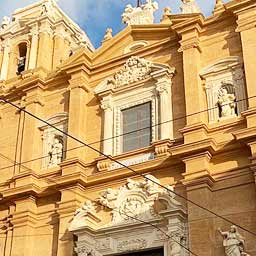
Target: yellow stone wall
x=210, y=164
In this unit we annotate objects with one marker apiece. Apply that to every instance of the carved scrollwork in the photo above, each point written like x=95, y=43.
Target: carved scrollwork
x=134, y=70
x=136, y=200
x=87, y=251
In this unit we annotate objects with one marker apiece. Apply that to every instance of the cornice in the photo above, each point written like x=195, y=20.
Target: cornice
x=189, y=149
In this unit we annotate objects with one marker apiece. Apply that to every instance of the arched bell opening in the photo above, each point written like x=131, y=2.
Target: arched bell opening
x=22, y=57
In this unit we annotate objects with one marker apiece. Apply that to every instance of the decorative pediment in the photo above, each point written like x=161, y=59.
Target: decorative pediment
x=221, y=65
x=134, y=70
x=144, y=200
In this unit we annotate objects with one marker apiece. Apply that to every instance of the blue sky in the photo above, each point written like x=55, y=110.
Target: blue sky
x=94, y=16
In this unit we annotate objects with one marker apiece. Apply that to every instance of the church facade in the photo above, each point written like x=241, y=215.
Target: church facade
x=144, y=146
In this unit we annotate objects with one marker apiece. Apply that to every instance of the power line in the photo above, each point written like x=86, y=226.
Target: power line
x=123, y=134
x=127, y=167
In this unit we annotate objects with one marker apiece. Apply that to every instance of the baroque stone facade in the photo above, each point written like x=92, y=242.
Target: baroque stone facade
x=180, y=93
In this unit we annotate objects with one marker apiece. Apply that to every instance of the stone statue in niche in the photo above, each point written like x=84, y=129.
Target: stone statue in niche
x=189, y=6
x=56, y=152
x=227, y=103
x=233, y=242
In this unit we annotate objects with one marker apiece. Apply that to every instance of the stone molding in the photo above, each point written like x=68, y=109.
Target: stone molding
x=124, y=234
x=138, y=81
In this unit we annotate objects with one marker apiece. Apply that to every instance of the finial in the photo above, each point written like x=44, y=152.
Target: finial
x=219, y=7
x=189, y=6
x=108, y=35
x=166, y=14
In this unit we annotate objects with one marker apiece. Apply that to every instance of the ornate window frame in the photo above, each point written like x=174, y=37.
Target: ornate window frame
x=139, y=81
x=60, y=121
x=144, y=201
x=225, y=71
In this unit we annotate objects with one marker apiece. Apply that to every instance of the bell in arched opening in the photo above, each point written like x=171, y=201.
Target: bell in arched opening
x=22, y=57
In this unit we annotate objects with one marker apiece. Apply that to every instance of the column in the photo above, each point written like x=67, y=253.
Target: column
x=106, y=105
x=34, y=46
x=163, y=86
x=5, y=63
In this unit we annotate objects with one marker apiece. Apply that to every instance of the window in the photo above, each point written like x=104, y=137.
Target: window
x=135, y=97
x=137, y=119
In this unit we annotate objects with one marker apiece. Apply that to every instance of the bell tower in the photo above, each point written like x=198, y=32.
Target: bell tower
x=38, y=37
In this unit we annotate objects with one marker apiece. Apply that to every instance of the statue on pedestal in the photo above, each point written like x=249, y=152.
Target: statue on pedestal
x=233, y=242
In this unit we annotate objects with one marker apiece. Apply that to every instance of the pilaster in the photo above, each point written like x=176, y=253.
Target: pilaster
x=106, y=105
x=197, y=165
x=77, y=123
x=5, y=62
x=194, y=92
x=201, y=223
x=163, y=87
x=246, y=26
x=71, y=200
x=60, y=45
x=24, y=226
x=34, y=47
x=45, y=50
x=30, y=142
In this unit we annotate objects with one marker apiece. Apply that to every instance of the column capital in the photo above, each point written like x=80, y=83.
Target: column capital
x=190, y=44
x=79, y=80
x=106, y=104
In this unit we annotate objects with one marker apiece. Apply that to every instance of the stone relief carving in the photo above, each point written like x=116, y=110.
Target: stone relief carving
x=143, y=14
x=87, y=251
x=176, y=242
x=135, y=200
x=142, y=199
x=233, y=242
x=189, y=6
x=135, y=69
x=132, y=245
x=227, y=103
